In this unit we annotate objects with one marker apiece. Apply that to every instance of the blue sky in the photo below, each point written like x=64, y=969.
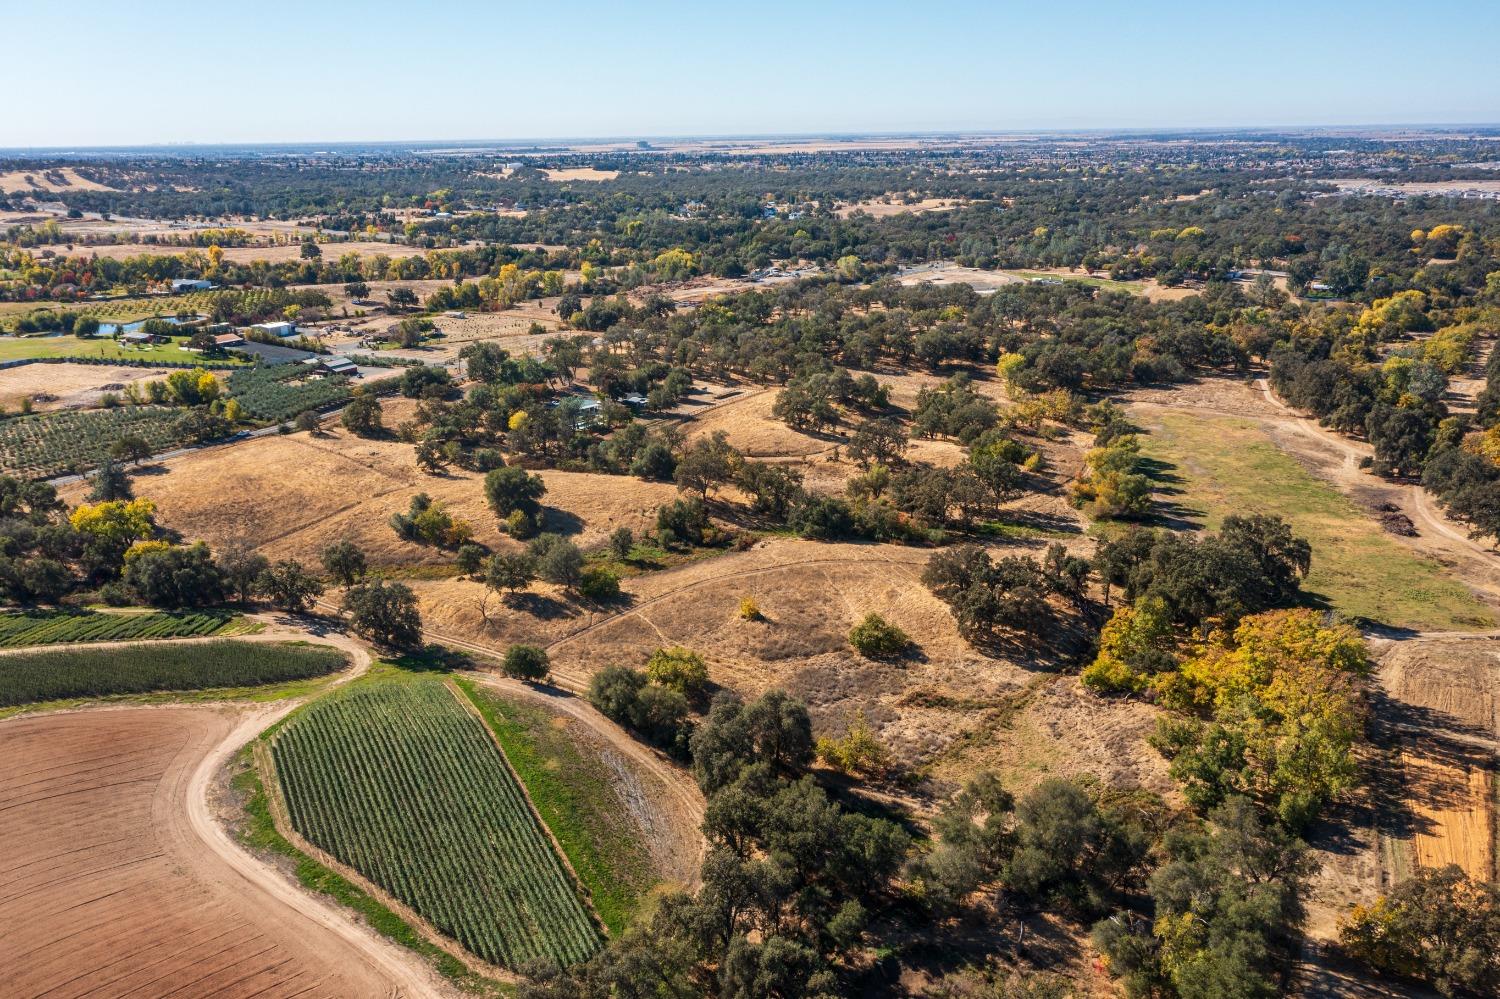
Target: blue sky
x=102, y=73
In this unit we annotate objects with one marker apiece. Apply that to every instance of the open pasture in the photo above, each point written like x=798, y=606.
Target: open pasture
x=68, y=386
x=1212, y=466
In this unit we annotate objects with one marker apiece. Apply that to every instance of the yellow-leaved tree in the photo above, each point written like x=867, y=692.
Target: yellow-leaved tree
x=1280, y=712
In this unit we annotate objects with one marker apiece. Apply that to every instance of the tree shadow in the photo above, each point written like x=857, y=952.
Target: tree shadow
x=539, y=605
x=432, y=658
x=1163, y=474
x=558, y=521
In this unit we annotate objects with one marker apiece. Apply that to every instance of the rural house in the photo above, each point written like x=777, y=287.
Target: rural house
x=141, y=337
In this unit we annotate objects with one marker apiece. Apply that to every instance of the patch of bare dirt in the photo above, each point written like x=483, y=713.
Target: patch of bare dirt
x=110, y=891
x=67, y=386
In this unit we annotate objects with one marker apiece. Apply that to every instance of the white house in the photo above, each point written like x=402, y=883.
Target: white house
x=282, y=329
x=180, y=285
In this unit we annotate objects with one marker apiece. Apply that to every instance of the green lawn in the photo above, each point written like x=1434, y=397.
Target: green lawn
x=1134, y=287
x=1214, y=466
x=106, y=348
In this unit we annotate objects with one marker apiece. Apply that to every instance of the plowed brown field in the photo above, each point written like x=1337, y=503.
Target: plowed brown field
x=106, y=891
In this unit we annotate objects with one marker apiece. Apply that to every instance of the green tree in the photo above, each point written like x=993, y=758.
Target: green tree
x=362, y=415
x=680, y=669
x=526, y=662
x=175, y=576
x=386, y=613
x=109, y=483
x=509, y=489
x=1438, y=926
x=130, y=447
x=242, y=567
x=289, y=586
x=876, y=638
x=510, y=571
x=344, y=561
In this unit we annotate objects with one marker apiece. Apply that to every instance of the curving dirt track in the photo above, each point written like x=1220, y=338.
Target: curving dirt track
x=117, y=880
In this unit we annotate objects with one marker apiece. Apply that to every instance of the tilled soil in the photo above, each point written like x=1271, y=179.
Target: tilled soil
x=106, y=889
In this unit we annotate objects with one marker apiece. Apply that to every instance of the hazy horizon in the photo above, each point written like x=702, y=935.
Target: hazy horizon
x=524, y=145
x=283, y=74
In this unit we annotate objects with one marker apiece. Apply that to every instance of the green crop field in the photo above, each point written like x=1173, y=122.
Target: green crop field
x=574, y=791
x=54, y=627
x=125, y=310
x=1215, y=466
x=50, y=444
x=54, y=674
x=402, y=782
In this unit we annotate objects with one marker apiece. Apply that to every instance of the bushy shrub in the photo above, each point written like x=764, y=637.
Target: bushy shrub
x=680, y=669
x=876, y=638
x=599, y=583
x=858, y=752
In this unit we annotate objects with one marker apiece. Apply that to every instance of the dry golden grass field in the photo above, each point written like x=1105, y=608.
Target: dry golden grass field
x=67, y=386
x=884, y=209
x=22, y=181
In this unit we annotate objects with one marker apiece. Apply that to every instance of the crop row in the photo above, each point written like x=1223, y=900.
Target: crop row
x=53, y=674
x=51, y=628
x=405, y=785
x=52, y=444
x=281, y=392
x=143, y=307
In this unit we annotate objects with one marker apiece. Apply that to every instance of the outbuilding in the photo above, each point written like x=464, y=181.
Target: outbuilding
x=336, y=365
